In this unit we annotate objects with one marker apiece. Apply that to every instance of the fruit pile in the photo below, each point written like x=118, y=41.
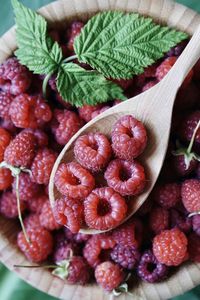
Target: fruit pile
x=164, y=233
x=104, y=207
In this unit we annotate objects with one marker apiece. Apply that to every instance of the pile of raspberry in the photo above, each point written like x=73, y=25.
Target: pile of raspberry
x=162, y=235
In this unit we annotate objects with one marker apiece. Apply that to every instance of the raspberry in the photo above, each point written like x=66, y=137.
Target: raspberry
x=42, y=165
x=41, y=137
x=86, y=111
x=21, y=150
x=6, y=179
x=125, y=256
x=109, y=275
x=149, y=85
x=64, y=125
x=74, y=181
x=180, y=221
x=129, y=234
x=75, y=30
x=5, y=102
x=64, y=250
x=104, y=209
x=69, y=212
x=187, y=98
x=29, y=111
x=124, y=83
x=55, y=35
x=149, y=269
x=180, y=166
x=40, y=246
x=125, y=177
x=158, y=219
x=170, y=247
x=8, y=125
x=178, y=49
x=198, y=171
x=64, y=103
x=145, y=208
x=32, y=221
x=79, y=272
x=190, y=192
x=5, y=138
x=36, y=204
x=14, y=78
x=27, y=188
x=93, y=151
x=167, y=195
x=194, y=247
x=129, y=138
x=96, y=248
x=196, y=71
x=99, y=111
x=78, y=238
x=188, y=126
x=47, y=219
x=196, y=224
x=8, y=205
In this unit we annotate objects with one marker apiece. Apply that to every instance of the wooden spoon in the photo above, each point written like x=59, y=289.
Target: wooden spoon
x=154, y=108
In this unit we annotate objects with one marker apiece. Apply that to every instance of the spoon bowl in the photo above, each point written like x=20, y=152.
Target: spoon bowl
x=154, y=109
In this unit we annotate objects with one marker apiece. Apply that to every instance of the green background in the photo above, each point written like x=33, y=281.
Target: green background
x=11, y=287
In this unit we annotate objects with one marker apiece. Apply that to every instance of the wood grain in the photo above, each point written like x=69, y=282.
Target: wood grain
x=186, y=277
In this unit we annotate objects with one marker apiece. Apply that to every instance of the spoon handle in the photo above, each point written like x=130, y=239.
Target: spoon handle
x=185, y=62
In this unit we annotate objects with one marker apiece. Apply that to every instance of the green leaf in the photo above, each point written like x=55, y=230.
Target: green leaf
x=121, y=44
x=79, y=86
x=36, y=50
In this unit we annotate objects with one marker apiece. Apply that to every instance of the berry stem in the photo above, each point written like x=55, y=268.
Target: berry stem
x=44, y=85
x=194, y=214
x=42, y=267
x=193, y=137
x=68, y=59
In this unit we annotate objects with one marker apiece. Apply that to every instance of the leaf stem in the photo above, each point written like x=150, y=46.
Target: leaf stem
x=44, y=85
x=193, y=137
x=42, y=267
x=70, y=58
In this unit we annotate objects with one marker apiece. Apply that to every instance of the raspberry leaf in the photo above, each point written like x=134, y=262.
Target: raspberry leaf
x=79, y=86
x=121, y=44
x=36, y=49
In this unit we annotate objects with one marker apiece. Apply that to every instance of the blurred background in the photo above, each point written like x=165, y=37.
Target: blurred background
x=11, y=287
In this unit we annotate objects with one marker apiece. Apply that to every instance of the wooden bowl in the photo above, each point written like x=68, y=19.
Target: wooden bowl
x=188, y=275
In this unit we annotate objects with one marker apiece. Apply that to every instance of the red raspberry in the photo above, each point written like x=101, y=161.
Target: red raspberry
x=21, y=150
x=150, y=269
x=149, y=85
x=74, y=181
x=29, y=111
x=129, y=234
x=104, y=209
x=188, y=126
x=14, y=78
x=124, y=83
x=5, y=102
x=65, y=124
x=158, y=219
x=36, y=204
x=32, y=221
x=99, y=111
x=8, y=205
x=55, y=35
x=6, y=179
x=40, y=245
x=85, y=112
x=170, y=247
x=194, y=247
x=79, y=271
x=180, y=221
x=41, y=137
x=5, y=138
x=69, y=212
x=109, y=275
x=64, y=250
x=96, y=248
x=178, y=49
x=74, y=31
x=8, y=125
x=125, y=256
x=125, y=177
x=93, y=151
x=64, y=103
x=190, y=192
x=47, y=219
x=42, y=165
x=196, y=224
x=187, y=98
x=78, y=238
x=27, y=189
x=129, y=138
x=167, y=195
x=180, y=166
